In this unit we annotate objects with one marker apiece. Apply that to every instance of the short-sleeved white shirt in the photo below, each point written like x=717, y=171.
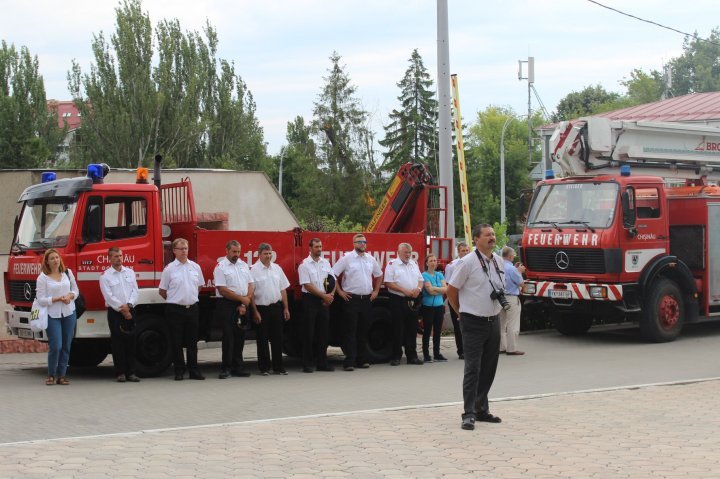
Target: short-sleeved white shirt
x=181, y=281
x=357, y=272
x=119, y=287
x=406, y=275
x=269, y=282
x=314, y=272
x=474, y=286
x=234, y=276
x=449, y=268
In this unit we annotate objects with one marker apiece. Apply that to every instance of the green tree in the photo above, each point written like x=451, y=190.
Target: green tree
x=644, y=87
x=589, y=101
x=29, y=132
x=411, y=134
x=340, y=126
x=698, y=68
x=138, y=101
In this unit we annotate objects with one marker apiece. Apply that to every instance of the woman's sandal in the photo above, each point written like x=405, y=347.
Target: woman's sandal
x=50, y=381
x=62, y=380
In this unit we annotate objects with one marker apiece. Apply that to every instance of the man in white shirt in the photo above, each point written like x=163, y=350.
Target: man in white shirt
x=404, y=282
x=234, y=285
x=462, y=250
x=472, y=291
x=120, y=290
x=316, y=300
x=360, y=279
x=179, y=286
x=270, y=309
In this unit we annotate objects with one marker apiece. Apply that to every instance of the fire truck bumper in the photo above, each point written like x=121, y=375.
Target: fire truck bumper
x=18, y=324
x=573, y=291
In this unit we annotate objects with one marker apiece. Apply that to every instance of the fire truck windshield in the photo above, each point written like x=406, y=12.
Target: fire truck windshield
x=45, y=223
x=591, y=205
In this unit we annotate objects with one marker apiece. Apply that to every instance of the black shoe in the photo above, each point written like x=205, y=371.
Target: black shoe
x=308, y=369
x=133, y=379
x=197, y=375
x=179, y=376
x=468, y=423
x=461, y=356
x=241, y=374
x=121, y=378
x=394, y=362
x=264, y=373
x=440, y=357
x=325, y=368
x=417, y=361
x=487, y=418
x=362, y=365
x=224, y=375
x=348, y=368
x=282, y=372
x=427, y=358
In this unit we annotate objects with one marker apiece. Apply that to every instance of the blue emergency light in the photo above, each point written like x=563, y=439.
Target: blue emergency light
x=625, y=170
x=97, y=172
x=549, y=174
x=46, y=176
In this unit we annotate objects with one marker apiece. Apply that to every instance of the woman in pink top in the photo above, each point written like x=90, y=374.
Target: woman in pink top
x=57, y=290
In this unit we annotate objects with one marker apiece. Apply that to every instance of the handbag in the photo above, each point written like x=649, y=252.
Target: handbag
x=38, y=317
x=79, y=301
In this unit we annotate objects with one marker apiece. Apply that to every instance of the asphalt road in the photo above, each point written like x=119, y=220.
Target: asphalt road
x=94, y=404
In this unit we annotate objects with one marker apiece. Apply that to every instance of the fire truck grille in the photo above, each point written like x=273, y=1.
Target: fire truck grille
x=19, y=291
x=559, y=260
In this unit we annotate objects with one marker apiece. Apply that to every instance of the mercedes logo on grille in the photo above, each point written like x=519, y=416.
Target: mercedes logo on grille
x=562, y=260
x=27, y=291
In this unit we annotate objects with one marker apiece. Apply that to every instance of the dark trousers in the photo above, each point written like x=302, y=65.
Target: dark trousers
x=456, y=330
x=316, y=322
x=122, y=344
x=270, y=330
x=184, y=324
x=481, y=341
x=404, y=322
x=432, y=322
x=233, y=338
x=358, y=314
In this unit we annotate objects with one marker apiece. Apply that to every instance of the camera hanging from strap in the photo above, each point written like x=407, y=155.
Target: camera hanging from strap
x=484, y=266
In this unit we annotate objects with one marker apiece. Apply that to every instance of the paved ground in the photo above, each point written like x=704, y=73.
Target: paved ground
x=647, y=432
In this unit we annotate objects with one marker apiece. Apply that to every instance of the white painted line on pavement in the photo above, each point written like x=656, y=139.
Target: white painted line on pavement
x=356, y=412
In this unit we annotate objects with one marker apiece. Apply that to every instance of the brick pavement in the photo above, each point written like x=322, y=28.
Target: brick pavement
x=648, y=432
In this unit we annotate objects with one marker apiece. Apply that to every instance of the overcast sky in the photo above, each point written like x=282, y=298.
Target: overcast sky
x=281, y=47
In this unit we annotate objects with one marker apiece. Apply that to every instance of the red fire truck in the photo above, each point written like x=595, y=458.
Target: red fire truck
x=83, y=217
x=639, y=245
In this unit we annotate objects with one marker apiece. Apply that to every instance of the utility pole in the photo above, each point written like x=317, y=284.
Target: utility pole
x=444, y=122
x=531, y=80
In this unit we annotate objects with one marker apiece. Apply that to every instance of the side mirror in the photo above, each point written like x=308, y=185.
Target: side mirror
x=627, y=201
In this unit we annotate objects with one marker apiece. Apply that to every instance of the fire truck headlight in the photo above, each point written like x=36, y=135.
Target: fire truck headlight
x=598, y=292
x=529, y=288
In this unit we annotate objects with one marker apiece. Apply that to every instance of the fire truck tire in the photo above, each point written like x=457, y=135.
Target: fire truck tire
x=380, y=336
x=663, y=312
x=570, y=324
x=154, y=346
x=88, y=353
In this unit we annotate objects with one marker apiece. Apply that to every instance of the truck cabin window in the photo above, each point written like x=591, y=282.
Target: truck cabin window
x=114, y=219
x=585, y=204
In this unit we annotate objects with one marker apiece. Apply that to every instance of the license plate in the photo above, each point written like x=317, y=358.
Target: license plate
x=25, y=333
x=561, y=293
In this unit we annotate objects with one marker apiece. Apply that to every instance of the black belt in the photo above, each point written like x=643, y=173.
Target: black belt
x=277, y=303
x=489, y=319
x=184, y=306
x=361, y=297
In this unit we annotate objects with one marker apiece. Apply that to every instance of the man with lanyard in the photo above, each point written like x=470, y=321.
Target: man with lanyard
x=120, y=290
x=359, y=286
x=404, y=282
x=179, y=286
x=462, y=250
x=234, y=285
x=270, y=309
x=472, y=291
x=316, y=300
x=510, y=318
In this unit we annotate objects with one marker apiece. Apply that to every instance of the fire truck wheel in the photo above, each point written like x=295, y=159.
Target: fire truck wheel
x=88, y=353
x=663, y=312
x=154, y=347
x=380, y=334
x=571, y=324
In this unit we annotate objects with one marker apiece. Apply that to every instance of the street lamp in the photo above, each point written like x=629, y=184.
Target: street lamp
x=502, y=169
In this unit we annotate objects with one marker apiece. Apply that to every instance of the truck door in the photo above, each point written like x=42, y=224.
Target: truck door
x=652, y=237
x=116, y=220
